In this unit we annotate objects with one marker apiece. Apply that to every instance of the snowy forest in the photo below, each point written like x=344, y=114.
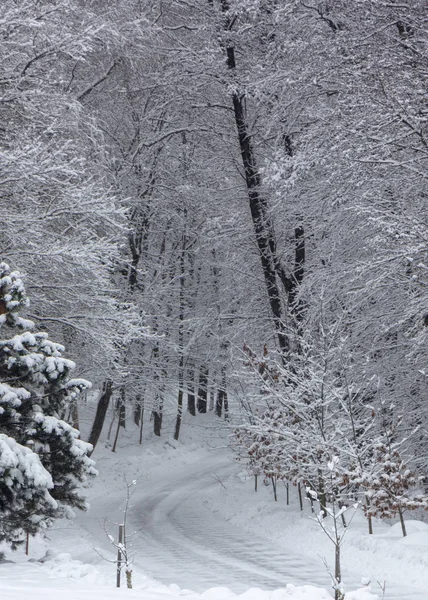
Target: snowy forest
x=215, y=207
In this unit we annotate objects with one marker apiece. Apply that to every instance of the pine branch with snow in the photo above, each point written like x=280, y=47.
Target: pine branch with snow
x=42, y=460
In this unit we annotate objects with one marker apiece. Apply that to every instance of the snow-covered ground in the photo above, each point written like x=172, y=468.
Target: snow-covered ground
x=195, y=523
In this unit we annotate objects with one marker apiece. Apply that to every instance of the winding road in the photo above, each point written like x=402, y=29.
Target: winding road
x=179, y=541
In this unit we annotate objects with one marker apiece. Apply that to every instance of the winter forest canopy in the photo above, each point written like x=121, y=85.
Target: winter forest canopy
x=222, y=203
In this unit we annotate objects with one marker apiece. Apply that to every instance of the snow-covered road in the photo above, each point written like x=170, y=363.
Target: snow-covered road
x=180, y=541
x=187, y=529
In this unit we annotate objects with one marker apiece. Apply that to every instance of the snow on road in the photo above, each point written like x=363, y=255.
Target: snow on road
x=183, y=542
x=194, y=523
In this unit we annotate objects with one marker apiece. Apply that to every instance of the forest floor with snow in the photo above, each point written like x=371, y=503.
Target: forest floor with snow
x=199, y=530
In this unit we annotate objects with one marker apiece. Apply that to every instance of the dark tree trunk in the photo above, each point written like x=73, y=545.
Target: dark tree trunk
x=221, y=400
x=140, y=219
x=100, y=415
x=259, y=217
x=403, y=525
x=158, y=416
x=226, y=407
x=298, y=272
x=140, y=440
x=116, y=437
x=275, y=495
x=369, y=518
x=202, y=390
x=299, y=489
x=139, y=414
x=179, y=410
x=180, y=397
x=265, y=239
x=191, y=403
x=121, y=408
x=141, y=409
x=137, y=410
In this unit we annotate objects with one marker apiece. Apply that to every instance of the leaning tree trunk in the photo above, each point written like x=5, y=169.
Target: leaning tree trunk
x=273, y=271
x=100, y=415
x=259, y=216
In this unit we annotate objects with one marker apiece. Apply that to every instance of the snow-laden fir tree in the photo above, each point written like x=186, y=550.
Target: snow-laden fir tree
x=42, y=460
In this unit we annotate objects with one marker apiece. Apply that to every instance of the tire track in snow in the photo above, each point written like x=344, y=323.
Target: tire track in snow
x=182, y=542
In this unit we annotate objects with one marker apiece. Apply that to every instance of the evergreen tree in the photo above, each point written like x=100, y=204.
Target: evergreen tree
x=42, y=459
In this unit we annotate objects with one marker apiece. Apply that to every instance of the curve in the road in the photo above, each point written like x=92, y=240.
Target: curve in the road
x=180, y=542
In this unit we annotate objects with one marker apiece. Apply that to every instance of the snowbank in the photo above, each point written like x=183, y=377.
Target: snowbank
x=62, y=577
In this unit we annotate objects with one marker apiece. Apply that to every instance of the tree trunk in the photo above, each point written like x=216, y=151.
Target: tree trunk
x=179, y=411
x=116, y=437
x=299, y=489
x=158, y=404
x=221, y=393
x=337, y=572
x=139, y=217
x=219, y=402
x=263, y=228
x=322, y=498
x=226, y=407
x=342, y=516
x=158, y=415
x=141, y=422
x=137, y=409
x=139, y=414
x=121, y=408
x=191, y=403
x=369, y=518
x=181, y=340
x=100, y=415
x=403, y=525
x=157, y=421
x=258, y=209
x=202, y=390
x=275, y=496
x=298, y=272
